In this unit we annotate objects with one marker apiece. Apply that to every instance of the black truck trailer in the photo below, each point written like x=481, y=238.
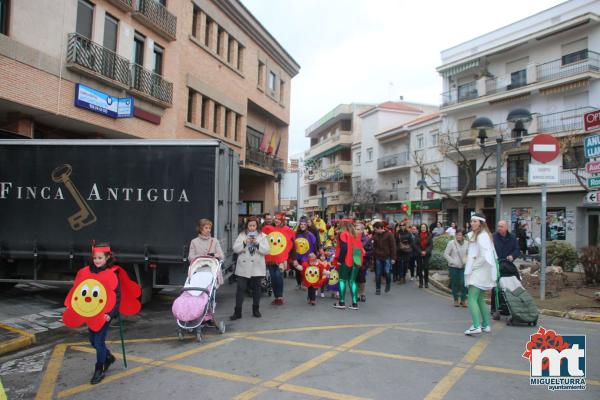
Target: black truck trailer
x=144, y=197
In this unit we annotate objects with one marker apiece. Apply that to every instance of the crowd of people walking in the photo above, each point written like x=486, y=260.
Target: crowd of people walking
x=336, y=258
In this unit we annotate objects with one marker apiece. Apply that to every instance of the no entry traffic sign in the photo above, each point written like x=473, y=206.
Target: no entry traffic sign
x=544, y=148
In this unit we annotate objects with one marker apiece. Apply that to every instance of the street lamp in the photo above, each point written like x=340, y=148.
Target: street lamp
x=322, y=189
x=421, y=184
x=278, y=178
x=518, y=121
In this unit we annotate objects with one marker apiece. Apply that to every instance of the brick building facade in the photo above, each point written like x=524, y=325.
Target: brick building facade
x=196, y=69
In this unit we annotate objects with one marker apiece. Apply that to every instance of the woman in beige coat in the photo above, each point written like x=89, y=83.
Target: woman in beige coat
x=456, y=255
x=251, y=246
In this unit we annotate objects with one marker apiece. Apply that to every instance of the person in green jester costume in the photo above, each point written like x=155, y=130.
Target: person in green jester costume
x=349, y=257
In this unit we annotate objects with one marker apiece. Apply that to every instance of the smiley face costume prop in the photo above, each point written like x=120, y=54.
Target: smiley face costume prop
x=94, y=294
x=99, y=294
x=281, y=241
x=305, y=243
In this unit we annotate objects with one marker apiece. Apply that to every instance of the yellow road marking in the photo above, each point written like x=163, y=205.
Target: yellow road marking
x=270, y=384
x=443, y=386
x=501, y=370
x=215, y=374
x=361, y=338
x=17, y=330
x=324, y=394
x=318, y=328
x=105, y=381
x=510, y=371
x=51, y=375
x=401, y=328
x=2, y=392
x=302, y=368
x=288, y=342
x=401, y=357
x=475, y=351
x=162, y=339
x=132, y=341
x=90, y=350
x=250, y=393
x=199, y=349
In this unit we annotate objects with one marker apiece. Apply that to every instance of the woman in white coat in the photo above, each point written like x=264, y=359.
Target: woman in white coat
x=251, y=246
x=480, y=273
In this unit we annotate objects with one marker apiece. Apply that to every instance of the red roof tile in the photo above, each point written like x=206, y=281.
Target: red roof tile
x=422, y=118
x=392, y=105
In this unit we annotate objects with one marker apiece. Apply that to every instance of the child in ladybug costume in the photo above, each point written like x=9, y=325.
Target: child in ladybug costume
x=100, y=293
x=314, y=275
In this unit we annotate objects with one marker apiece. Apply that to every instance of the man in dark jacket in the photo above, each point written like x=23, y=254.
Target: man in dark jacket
x=384, y=250
x=506, y=244
x=507, y=248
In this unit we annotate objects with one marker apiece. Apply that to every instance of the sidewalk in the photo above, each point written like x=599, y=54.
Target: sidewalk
x=576, y=315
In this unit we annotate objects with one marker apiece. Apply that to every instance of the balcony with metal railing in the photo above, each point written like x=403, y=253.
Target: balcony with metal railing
x=151, y=86
x=566, y=178
x=570, y=68
x=505, y=83
x=91, y=59
x=125, y=5
x=397, y=194
x=557, y=69
x=564, y=121
x=464, y=92
x=338, y=138
x=156, y=17
x=262, y=159
x=448, y=183
x=394, y=161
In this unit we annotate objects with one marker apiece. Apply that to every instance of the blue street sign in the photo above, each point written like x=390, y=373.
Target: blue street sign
x=592, y=146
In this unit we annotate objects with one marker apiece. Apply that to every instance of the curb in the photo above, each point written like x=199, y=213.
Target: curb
x=25, y=339
x=440, y=286
x=553, y=313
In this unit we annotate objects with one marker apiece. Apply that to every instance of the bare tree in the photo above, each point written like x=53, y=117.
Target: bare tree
x=363, y=193
x=569, y=153
x=452, y=148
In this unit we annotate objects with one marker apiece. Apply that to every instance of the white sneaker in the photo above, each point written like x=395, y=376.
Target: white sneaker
x=322, y=294
x=486, y=329
x=412, y=278
x=472, y=331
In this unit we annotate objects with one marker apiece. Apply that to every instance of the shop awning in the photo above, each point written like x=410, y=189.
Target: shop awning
x=565, y=87
x=327, y=152
x=457, y=69
x=427, y=206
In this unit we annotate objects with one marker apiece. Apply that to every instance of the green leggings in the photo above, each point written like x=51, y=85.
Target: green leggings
x=348, y=276
x=478, y=307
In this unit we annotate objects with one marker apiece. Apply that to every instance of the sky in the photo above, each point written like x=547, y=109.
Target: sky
x=371, y=51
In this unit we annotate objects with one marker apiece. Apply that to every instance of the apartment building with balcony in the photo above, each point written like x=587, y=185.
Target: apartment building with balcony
x=328, y=163
x=166, y=69
x=549, y=64
x=383, y=160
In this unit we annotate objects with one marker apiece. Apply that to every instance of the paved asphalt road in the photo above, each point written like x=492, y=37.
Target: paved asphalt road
x=407, y=344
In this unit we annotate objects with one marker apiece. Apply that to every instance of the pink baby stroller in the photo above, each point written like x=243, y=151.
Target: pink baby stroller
x=195, y=307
